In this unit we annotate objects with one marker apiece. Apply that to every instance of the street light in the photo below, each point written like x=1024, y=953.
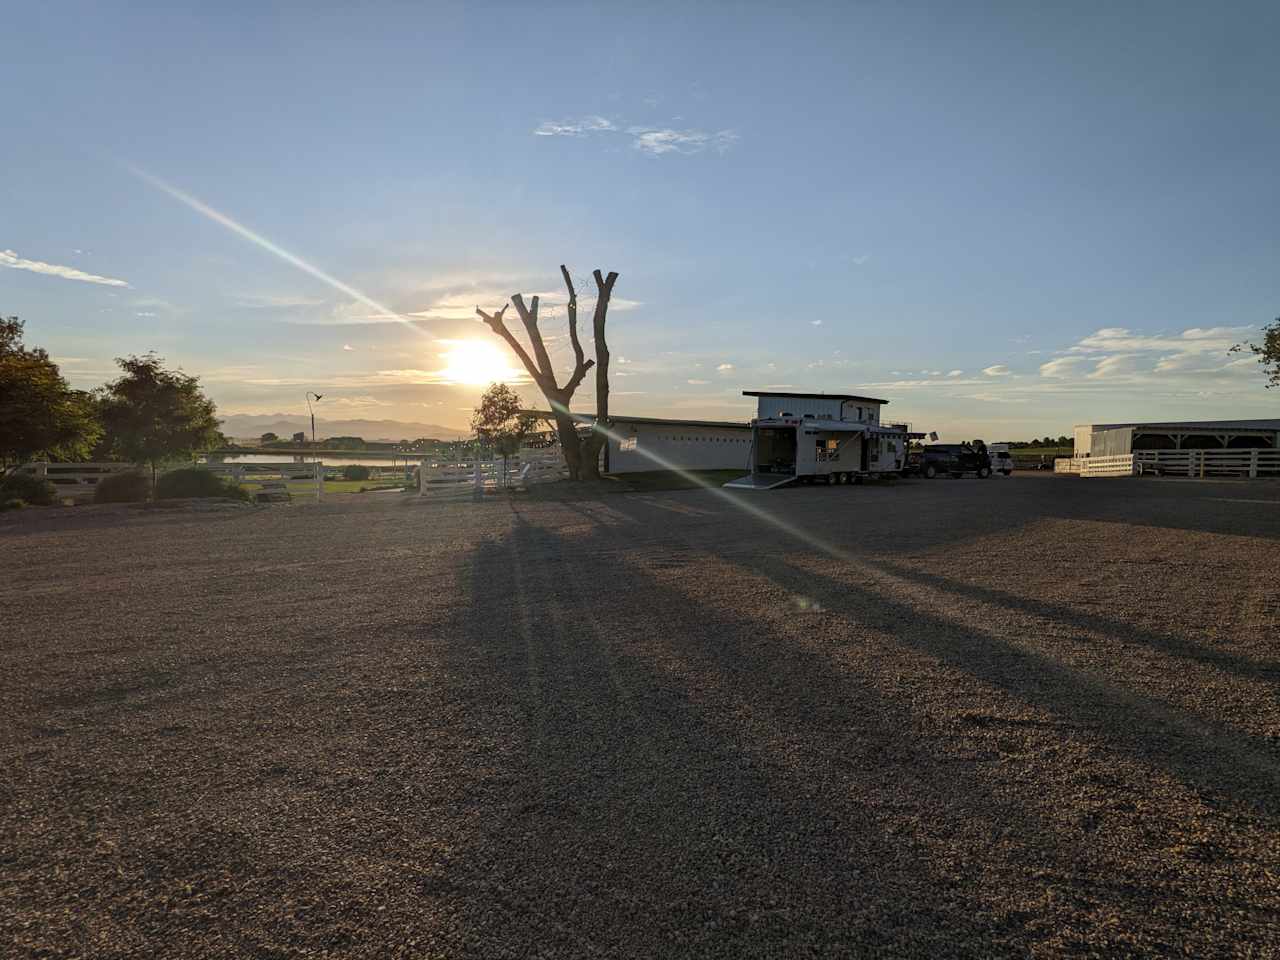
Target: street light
x=310, y=397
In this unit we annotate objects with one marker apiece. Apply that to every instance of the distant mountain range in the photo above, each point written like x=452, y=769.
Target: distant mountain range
x=285, y=425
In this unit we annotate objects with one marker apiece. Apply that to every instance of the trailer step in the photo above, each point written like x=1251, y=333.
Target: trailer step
x=754, y=481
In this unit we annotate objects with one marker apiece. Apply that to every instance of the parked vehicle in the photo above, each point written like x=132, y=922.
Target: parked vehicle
x=950, y=459
x=1001, y=461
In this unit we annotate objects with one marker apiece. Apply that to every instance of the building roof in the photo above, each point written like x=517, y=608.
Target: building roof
x=684, y=423
x=1272, y=424
x=811, y=396
x=659, y=421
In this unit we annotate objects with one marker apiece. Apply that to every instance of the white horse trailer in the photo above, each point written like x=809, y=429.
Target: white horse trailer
x=812, y=449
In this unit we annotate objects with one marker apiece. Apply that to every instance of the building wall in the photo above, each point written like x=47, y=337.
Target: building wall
x=1115, y=442
x=1083, y=439
x=769, y=407
x=687, y=447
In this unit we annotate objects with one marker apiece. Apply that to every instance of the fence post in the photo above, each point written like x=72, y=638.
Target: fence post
x=1253, y=464
x=319, y=468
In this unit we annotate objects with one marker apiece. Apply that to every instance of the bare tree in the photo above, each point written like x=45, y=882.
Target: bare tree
x=581, y=455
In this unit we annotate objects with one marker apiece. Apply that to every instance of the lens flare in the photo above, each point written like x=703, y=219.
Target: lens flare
x=258, y=240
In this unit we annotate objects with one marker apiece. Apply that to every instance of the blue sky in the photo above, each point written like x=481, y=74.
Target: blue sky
x=1005, y=218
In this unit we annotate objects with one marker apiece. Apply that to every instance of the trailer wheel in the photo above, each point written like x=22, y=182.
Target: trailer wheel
x=984, y=472
x=930, y=472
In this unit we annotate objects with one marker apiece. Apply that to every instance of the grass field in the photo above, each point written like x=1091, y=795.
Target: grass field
x=305, y=488
x=1036, y=716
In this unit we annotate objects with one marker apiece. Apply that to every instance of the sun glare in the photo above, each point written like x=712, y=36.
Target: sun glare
x=476, y=363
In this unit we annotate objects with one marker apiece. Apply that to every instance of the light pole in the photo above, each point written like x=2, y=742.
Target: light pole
x=310, y=410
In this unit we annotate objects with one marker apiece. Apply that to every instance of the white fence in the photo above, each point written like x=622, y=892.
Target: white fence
x=459, y=478
x=1177, y=463
x=77, y=480
x=1210, y=463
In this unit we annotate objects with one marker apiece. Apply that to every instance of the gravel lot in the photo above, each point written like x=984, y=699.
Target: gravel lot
x=1037, y=716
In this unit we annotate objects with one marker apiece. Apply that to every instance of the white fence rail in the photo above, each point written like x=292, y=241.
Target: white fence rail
x=1210, y=463
x=1107, y=466
x=456, y=479
x=1253, y=463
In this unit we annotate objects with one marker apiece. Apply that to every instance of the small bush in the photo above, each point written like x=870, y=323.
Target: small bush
x=130, y=487
x=194, y=483
x=32, y=489
x=14, y=504
x=355, y=472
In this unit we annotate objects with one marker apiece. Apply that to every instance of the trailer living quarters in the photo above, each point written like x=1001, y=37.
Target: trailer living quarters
x=821, y=437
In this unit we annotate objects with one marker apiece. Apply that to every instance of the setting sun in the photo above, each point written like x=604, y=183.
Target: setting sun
x=476, y=363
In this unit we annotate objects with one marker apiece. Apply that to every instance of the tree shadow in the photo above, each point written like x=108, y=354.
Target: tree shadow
x=693, y=782
x=1242, y=666
x=1231, y=768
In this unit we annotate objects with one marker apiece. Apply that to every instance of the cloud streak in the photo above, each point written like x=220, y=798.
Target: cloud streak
x=653, y=141
x=9, y=258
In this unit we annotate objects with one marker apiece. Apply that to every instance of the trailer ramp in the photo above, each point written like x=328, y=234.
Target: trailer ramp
x=758, y=481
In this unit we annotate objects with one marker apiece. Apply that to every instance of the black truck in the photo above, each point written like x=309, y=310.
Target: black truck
x=949, y=459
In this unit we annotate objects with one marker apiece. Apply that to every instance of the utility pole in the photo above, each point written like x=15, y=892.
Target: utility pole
x=310, y=397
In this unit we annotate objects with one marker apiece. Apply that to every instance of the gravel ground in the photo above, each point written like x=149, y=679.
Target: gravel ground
x=1035, y=716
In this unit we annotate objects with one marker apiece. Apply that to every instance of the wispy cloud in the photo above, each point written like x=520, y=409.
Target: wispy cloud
x=1194, y=340
x=574, y=128
x=1120, y=365
x=725, y=367
x=955, y=373
x=997, y=370
x=1061, y=368
x=656, y=141
x=697, y=383
x=457, y=305
x=10, y=259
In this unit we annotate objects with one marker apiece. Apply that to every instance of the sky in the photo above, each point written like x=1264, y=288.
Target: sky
x=1004, y=218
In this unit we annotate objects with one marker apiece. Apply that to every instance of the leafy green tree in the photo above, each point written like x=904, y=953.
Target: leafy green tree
x=152, y=415
x=1267, y=352
x=40, y=415
x=499, y=423
x=268, y=437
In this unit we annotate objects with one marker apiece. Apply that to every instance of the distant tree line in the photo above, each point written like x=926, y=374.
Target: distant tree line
x=1063, y=441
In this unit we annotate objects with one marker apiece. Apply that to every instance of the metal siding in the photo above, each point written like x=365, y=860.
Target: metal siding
x=1111, y=443
x=685, y=447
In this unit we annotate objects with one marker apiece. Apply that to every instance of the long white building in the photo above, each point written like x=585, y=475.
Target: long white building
x=651, y=443
x=1121, y=439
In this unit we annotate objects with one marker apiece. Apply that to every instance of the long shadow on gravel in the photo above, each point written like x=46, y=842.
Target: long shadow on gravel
x=1223, y=764
x=695, y=784
x=636, y=825
x=1246, y=667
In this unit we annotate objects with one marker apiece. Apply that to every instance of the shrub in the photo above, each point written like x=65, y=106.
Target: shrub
x=32, y=489
x=14, y=504
x=192, y=482
x=355, y=472
x=130, y=487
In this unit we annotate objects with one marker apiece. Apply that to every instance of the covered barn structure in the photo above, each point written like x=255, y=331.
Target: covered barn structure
x=1121, y=439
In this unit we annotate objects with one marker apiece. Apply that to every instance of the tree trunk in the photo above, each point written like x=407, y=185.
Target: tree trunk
x=570, y=445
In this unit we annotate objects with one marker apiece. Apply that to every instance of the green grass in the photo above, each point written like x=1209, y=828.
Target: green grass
x=652, y=480
x=304, y=488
